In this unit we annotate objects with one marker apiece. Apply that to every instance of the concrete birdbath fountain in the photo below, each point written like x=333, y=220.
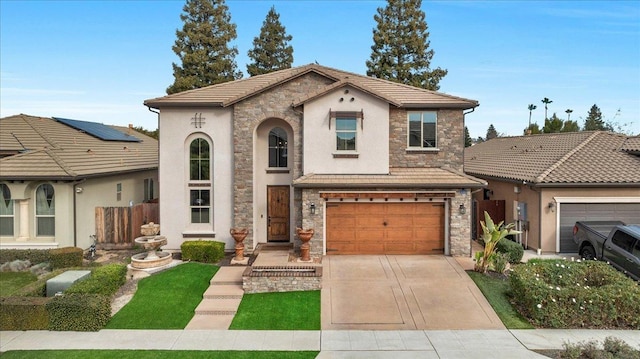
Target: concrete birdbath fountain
x=150, y=241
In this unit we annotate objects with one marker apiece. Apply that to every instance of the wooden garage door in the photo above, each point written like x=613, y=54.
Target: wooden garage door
x=385, y=228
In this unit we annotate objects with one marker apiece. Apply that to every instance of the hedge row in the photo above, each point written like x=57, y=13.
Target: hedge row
x=85, y=306
x=58, y=257
x=513, y=250
x=582, y=294
x=202, y=251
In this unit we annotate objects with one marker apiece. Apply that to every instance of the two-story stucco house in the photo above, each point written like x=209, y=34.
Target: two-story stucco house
x=372, y=166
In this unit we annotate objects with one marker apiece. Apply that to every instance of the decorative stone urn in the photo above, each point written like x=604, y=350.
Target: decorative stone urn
x=305, y=236
x=150, y=229
x=239, y=234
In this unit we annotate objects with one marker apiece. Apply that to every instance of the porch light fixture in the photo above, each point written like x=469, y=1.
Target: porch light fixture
x=462, y=209
x=552, y=206
x=312, y=208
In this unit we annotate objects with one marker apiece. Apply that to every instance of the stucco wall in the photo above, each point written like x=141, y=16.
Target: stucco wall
x=176, y=133
x=372, y=133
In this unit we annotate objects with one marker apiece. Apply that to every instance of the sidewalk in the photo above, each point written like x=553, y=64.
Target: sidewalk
x=400, y=344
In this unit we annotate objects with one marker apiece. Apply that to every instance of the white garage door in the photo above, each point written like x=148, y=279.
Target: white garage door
x=572, y=212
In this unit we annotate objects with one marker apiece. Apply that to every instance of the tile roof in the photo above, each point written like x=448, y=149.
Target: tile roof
x=557, y=158
x=228, y=93
x=48, y=149
x=632, y=145
x=397, y=178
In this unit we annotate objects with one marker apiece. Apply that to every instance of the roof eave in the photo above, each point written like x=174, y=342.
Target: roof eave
x=73, y=178
x=388, y=185
x=589, y=184
x=158, y=104
x=459, y=105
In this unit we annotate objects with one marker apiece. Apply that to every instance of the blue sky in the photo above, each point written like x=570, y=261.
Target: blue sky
x=99, y=60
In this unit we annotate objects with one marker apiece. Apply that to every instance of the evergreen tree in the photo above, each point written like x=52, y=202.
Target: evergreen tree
x=467, y=138
x=553, y=124
x=594, y=121
x=570, y=126
x=154, y=134
x=491, y=132
x=532, y=129
x=400, y=50
x=203, y=46
x=271, y=50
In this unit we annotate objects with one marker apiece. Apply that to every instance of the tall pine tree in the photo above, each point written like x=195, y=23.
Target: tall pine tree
x=594, y=121
x=400, y=50
x=203, y=46
x=467, y=138
x=271, y=50
x=491, y=132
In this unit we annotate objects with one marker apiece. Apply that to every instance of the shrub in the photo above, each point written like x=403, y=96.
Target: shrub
x=32, y=255
x=491, y=234
x=611, y=348
x=23, y=313
x=587, y=294
x=202, y=251
x=105, y=280
x=66, y=257
x=513, y=250
x=79, y=312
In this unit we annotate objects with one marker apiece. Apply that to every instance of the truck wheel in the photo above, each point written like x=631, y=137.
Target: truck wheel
x=588, y=252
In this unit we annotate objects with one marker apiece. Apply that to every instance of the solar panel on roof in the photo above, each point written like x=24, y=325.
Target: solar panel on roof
x=98, y=130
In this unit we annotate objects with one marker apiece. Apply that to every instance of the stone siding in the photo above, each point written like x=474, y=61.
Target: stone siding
x=460, y=224
x=313, y=221
x=247, y=115
x=450, y=137
x=281, y=280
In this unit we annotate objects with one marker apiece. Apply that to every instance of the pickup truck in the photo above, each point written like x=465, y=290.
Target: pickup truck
x=611, y=241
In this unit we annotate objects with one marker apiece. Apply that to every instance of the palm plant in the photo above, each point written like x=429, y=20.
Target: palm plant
x=568, y=111
x=491, y=234
x=546, y=102
x=531, y=107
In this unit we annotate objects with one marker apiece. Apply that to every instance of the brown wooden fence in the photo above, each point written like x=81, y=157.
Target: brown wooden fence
x=117, y=227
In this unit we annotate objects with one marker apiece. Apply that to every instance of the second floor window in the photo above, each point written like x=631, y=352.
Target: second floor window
x=199, y=158
x=422, y=129
x=346, y=129
x=278, y=148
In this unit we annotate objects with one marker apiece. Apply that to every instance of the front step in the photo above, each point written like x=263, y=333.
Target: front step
x=199, y=322
x=228, y=275
x=218, y=306
x=233, y=291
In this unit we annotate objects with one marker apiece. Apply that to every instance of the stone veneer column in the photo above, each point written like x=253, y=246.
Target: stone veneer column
x=315, y=221
x=460, y=224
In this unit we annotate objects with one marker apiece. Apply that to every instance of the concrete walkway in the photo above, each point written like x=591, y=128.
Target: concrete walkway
x=442, y=344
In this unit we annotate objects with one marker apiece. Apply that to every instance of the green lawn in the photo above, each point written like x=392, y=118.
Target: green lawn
x=495, y=290
x=10, y=282
x=279, y=311
x=155, y=354
x=165, y=300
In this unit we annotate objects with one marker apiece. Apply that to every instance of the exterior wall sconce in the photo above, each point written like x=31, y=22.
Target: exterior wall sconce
x=552, y=206
x=462, y=209
x=312, y=208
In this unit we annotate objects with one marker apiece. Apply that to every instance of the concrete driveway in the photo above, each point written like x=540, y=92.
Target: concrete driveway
x=394, y=292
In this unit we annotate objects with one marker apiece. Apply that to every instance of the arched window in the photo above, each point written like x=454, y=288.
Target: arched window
x=199, y=158
x=278, y=147
x=200, y=170
x=45, y=211
x=6, y=211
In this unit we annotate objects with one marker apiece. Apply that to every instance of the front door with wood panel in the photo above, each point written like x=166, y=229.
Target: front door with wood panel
x=277, y=213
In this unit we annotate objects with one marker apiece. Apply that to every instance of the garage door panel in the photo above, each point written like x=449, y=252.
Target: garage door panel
x=570, y=213
x=411, y=228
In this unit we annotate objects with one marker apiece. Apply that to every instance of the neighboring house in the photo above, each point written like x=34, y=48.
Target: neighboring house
x=547, y=182
x=54, y=172
x=371, y=165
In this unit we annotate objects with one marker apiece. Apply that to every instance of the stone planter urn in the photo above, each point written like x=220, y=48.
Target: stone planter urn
x=150, y=229
x=239, y=234
x=305, y=236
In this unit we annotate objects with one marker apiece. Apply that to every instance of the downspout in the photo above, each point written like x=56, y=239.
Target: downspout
x=75, y=211
x=158, y=122
x=464, y=114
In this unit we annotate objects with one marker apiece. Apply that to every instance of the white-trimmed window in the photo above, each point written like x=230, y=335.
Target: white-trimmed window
x=423, y=129
x=6, y=211
x=200, y=181
x=278, y=148
x=45, y=211
x=346, y=129
x=118, y=191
